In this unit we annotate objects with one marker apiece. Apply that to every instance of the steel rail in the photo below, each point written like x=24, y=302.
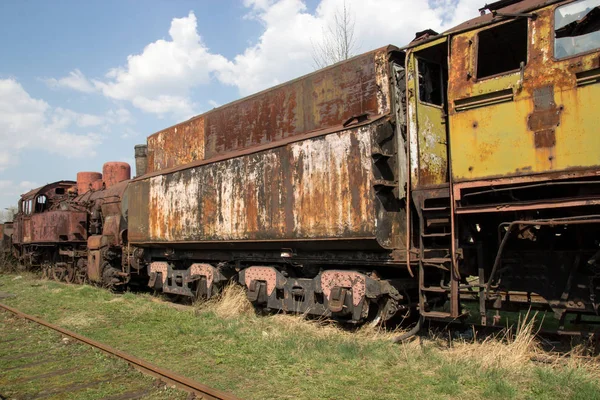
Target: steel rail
x=171, y=378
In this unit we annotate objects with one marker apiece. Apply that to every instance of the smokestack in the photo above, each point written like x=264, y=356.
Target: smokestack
x=141, y=159
x=114, y=172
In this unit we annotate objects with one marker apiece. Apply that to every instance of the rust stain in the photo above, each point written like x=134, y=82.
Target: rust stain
x=114, y=172
x=320, y=188
x=177, y=145
x=265, y=274
x=206, y=270
x=544, y=139
x=159, y=267
x=85, y=181
x=544, y=126
x=344, y=279
x=330, y=194
x=317, y=101
x=58, y=226
x=543, y=121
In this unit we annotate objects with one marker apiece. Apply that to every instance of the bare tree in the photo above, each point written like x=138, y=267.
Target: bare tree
x=8, y=214
x=338, y=42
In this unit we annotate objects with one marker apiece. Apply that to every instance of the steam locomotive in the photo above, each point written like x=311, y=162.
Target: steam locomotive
x=463, y=167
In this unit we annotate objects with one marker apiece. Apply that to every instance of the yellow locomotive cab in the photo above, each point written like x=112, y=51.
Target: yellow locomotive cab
x=522, y=95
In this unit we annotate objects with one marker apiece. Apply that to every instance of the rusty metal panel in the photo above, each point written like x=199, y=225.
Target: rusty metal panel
x=318, y=101
x=540, y=121
x=316, y=189
x=137, y=196
x=523, y=6
x=94, y=264
x=177, y=145
x=58, y=226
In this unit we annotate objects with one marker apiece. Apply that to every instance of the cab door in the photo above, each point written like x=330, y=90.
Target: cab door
x=427, y=103
x=26, y=221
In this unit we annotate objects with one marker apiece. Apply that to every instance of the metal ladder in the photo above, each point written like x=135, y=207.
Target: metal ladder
x=435, y=255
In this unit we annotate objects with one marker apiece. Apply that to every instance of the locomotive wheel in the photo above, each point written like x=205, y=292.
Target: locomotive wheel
x=63, y=274
x=45, y=271
x=110, y=276
x=58, y=273
x=70, y=275
x=80, y=276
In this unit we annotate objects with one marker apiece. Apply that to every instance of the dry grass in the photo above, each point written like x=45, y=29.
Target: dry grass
x=80, y=320
x=230, y=303
x=505, y=350
x=233, y=303
x=578, y=358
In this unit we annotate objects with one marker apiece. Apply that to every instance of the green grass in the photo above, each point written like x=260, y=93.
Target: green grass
x=283, y=357
x=36, y=361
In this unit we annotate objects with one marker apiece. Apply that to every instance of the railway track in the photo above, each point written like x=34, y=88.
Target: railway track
x=199, y=390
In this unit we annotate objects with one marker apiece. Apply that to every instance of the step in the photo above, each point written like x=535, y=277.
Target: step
x=436, y=314
x=382, y=182
x=382, y=154
x=437, y=260
x=444, y=208
x=435, y=289
x=445, y=234
x=445, y=221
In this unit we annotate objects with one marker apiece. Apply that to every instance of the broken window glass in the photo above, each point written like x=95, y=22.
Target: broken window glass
x=577, y=28
x=430, y=82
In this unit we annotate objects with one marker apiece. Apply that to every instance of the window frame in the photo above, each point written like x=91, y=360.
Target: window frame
x=553, y=38
x=476, y=52
x=418, y=83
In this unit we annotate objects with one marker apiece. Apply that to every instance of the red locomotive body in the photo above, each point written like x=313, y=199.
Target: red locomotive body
x=73, y=232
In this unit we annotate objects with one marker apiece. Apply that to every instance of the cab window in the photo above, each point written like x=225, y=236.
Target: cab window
x=430, y=82
x=576, y=28
x=28, y=207
x=502, y=48
x=40, y=204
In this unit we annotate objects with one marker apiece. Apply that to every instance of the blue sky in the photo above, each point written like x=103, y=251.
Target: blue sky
x=82, y=82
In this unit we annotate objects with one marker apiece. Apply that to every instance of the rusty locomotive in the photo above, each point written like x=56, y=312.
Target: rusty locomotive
x=462, y=167
x=73, y=231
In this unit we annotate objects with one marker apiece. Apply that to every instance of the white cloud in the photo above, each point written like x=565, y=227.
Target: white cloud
x=121, y=116
x=65, y=118
x=129, y=133
x=31, y=123
x=76, y=80
x=161, y=79
x=285, y=49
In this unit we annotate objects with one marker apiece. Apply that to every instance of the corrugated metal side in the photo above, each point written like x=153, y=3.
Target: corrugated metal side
x=321, y=188
x=316, y=101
